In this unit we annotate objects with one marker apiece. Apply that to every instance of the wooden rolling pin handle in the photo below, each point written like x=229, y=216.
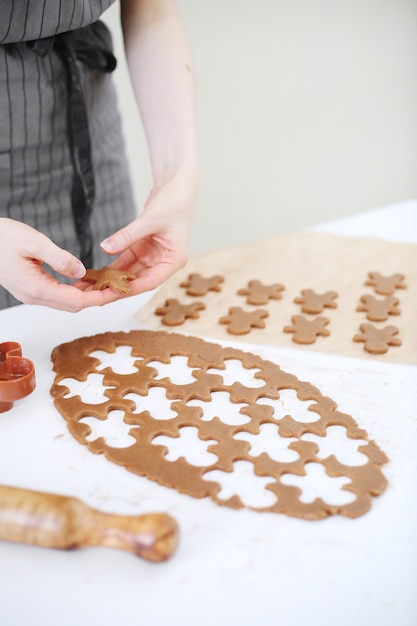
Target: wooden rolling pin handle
x=62, y=522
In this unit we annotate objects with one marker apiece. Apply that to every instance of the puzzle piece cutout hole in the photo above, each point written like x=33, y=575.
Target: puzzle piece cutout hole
x=156, y=402
x=234, y=371
x=317, y=484
x=289, y=404
x=337, y=443
x=243, y=482
x=120, y=361
x=113, y=430
x=91, y=390
x=269, y=441
x=221, y=407
x=188, y=446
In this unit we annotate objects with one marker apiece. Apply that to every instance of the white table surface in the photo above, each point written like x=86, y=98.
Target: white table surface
x=231, y=567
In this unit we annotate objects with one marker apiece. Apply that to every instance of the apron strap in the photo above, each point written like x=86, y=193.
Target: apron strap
x=92, y=46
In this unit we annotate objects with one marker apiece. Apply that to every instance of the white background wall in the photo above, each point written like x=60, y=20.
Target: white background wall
x=307, y=110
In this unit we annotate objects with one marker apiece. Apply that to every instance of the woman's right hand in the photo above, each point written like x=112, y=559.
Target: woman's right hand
x=23, y=251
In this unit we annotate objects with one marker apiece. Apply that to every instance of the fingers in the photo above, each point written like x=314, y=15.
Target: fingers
x=69, y=298
x=167, y=214
x=44, y=290
x=151, y=278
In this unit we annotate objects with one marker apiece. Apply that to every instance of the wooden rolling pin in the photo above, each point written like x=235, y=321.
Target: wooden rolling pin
x=66, y=523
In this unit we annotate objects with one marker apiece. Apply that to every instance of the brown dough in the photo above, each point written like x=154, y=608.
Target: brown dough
x=385, y=285
x=306, y=331
x=240, y=322
x=174, y=313
x=74, y=360
x=117, y=280
x=377, y=340
x=197, y=285
x=378, y=310
x=312, y=302
x=257, y=293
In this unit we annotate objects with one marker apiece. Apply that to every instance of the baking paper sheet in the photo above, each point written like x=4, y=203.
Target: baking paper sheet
x=302, y=260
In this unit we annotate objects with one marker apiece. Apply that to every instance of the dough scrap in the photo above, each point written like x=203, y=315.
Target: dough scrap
x=257, y=293
x=385, y=285
x=117, y=280
x=306, y=331
x=313, y=303
x=240, y=322
x=378, y=310
x=174, y=313
x=74, y=360
x=197, y=285
x=377, y=340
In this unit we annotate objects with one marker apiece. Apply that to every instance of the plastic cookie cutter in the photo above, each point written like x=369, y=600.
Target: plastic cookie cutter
x=17, y=375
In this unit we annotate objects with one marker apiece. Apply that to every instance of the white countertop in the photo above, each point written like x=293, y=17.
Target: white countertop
x=231, y=567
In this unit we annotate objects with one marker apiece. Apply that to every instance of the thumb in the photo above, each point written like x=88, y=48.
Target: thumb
x=63, y=261
x=141, y=227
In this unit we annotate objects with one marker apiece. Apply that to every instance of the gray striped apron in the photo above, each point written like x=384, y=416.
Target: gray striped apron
x=39, y=158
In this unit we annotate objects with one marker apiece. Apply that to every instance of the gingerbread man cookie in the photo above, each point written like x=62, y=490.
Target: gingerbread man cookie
x=377, y=340
x=385, y=285
x=240, y=322
x=197, y=285
x=174, y=313
x=258, y=293
x=306, y=331
x=117, y=280
x=378, y=310
x=312, y=302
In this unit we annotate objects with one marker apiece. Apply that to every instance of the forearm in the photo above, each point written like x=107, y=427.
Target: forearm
x=160, y=68
x=155, y=244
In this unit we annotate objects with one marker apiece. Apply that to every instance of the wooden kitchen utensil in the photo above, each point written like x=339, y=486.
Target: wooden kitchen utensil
x=55, y=521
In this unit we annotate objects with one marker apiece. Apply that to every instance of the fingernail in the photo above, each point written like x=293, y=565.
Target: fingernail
x=79, y=270
x=108, y=245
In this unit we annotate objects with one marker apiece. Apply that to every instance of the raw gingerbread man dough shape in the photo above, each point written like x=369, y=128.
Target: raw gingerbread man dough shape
x=378, y=310
x=258, y=293
x=385, y=285
x=312, y=302
x=240, y=322
x=377, y=340
x=197, y=285
x=306, y=331
x=110, y=277
x=174, y=313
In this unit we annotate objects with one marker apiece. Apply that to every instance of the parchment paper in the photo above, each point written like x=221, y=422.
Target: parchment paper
x=302, y=260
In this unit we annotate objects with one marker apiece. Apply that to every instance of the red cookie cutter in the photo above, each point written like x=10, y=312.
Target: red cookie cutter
x=17, y=375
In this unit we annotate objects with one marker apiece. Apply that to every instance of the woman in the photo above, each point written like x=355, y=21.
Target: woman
x=64, y=190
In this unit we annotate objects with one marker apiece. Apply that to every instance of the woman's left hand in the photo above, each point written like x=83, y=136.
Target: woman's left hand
x=155, y=244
